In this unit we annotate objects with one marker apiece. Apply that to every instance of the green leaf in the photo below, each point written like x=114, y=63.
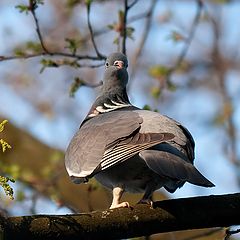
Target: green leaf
x=75, y=86
x=221, y=1
x=120, y=16
x=111, y=26
x=23, y=8
x=34, y=47
x=34, y=3
x=155, y=92
x=88, y=2
x=176, y=37
x=147, y=107
x=4, y=183
x=4, y=145
x=130, y=31
x=158, y=71
x=224, y=115
x=120, y=26
x=40, y=2
x=116, y=41
x=73, y=3
x=2, y=125
x=171, y=86
x=72, y=44
x=19, y=51
x=20, y=196
x=48, y=63
x=28, y=47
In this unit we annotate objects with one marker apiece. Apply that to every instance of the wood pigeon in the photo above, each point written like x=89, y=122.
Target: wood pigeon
x=129, y=149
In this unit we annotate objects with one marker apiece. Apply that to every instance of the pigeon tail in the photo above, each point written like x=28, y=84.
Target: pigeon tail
x=172, y=166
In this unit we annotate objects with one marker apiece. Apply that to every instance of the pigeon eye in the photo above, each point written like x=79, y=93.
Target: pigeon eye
x=107, y=64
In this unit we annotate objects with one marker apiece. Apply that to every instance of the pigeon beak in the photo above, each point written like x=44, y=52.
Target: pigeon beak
x=119, y=64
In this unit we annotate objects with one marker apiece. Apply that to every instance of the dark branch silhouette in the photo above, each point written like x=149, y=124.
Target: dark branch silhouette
x=166, y=216
x=46, y=52
x=100, y=56
x=32, y=8
x=127, y=7
x=188, y=39
x=140, y=47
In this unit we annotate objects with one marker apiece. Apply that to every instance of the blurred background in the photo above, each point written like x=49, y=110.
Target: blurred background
x=183, y=62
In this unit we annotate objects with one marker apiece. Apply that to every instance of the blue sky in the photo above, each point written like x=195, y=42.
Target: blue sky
x=195, y=109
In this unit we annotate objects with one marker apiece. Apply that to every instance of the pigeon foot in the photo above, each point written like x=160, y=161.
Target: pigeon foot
x=120, y=205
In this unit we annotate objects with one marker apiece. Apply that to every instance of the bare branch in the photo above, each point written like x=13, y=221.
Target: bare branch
x=47, y=52
x=227, y=115
x=188, y=40
x=100, y=56
x=25, y=56
x=132, y=4
x=124, y=24
x=32, y=8
x=107, y=29
x=52, y=54
x=142, y=41
x=166, y=216
x=125, y=27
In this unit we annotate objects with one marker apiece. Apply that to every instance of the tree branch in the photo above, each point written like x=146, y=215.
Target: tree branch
x=124, y=33
x=142, y=41
x=168, y=215
x=188, y=40
x=46, y=52
x=100, y=56
x=32, y=8
x=125, y=27
x=60, y=54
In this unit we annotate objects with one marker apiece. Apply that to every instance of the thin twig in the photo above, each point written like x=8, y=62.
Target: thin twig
x=125, y=27
x=62, y=54
x=132, y=4
x=105, y=30
x=100, y=56
x=91, y=65
x=46, y=52
x=32, y=8
x=188, y=40
x=142, y=41
x=228, y=109
x=124, y=32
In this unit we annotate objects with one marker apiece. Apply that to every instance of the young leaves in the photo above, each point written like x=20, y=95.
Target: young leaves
x=4, y=181
x=4, y=145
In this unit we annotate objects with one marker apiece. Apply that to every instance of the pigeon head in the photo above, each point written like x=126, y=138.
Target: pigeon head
x=116, y=75
x=117, y=59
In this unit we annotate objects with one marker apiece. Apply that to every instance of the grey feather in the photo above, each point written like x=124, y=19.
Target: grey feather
x=127, y=148
x=172, y=166
x=87, y=147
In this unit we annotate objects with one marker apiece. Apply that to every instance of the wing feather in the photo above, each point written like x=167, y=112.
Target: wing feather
x=131, y=146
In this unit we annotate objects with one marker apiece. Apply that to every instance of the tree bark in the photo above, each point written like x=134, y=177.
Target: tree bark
x=165, y=216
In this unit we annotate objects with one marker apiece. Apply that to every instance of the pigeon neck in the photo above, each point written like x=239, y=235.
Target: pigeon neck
x=109, y=101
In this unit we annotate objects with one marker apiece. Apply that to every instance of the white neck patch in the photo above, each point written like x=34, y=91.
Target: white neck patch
x=108, y=108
